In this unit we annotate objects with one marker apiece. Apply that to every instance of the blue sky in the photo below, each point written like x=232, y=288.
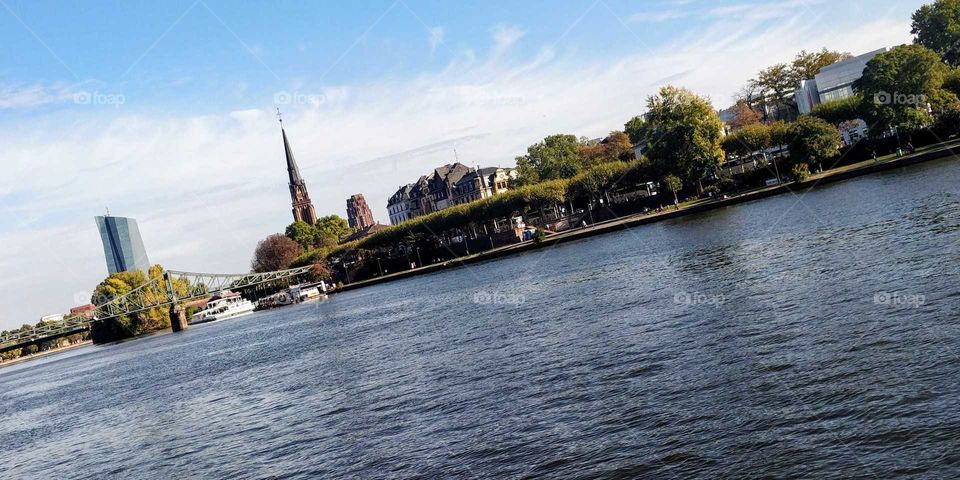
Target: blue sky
x=163, y=110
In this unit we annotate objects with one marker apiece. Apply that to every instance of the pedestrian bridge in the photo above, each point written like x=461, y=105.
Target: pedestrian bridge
x=171, y=290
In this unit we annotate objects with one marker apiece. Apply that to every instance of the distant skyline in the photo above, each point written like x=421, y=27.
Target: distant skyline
x=165, y=111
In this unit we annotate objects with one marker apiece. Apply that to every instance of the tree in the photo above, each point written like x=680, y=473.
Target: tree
x=749, y=139
x=682, y=134
x=952, y=82
x=634, y=130
x=807, y=65
x=303, y=233
x=672, y=184
x=275, y=252
x=813, y=140
x=899, y=87
x=557, y=156
x=937, y=27
x=333, y=226
x=750, y=94
x=127, y=326
x=321, y=271
x=777, y=84
x=837, y=112
x=743, y=115
x=618, y=147
x=615, y=147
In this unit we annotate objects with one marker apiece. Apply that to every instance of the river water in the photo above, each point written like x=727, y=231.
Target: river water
x=810, y=335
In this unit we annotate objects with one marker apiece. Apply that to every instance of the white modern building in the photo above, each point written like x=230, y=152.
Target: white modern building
x=834, y=82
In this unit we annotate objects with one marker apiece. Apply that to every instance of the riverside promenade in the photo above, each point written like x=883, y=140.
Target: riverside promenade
x=945, y=150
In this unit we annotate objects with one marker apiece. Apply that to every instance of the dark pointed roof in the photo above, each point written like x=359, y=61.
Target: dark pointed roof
x=292, y=169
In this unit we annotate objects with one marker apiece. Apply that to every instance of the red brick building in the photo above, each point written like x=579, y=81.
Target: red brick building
x=359, y=215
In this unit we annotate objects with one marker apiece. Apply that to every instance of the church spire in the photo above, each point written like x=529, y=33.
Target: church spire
x=292, y=169
x=303, y=210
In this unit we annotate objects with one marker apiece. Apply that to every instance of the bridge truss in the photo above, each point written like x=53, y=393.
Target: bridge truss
x=174, y=287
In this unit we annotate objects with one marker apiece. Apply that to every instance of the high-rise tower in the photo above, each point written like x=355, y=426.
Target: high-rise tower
x=303, y=210
x=122, y=245
x=359, y=215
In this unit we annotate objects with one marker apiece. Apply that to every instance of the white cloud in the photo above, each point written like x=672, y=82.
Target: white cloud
x=504, y=36
x=657, y=17
x=767, y=11
x=205, y=189
x=436, y=38
x=19, y=96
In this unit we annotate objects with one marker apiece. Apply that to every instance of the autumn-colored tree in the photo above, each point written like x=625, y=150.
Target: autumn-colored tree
x=807, y=65
x=743, y=115
x=616, y=147
x=153, y=291
x=275, y=252
x=321, y=271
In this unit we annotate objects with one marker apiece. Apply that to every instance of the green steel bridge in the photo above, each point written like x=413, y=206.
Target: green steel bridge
x=171, y=290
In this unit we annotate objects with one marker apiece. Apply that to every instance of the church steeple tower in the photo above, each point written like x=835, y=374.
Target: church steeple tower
x=303, y=210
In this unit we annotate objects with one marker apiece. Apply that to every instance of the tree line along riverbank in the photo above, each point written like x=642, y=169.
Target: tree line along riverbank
x=951, y=150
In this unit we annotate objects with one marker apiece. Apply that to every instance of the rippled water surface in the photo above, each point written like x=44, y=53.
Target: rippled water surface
x=798, y=336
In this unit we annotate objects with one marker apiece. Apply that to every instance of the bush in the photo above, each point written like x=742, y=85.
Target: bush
x=727, y=184
x=539, y=235
x=711, y=191
x=800, y=171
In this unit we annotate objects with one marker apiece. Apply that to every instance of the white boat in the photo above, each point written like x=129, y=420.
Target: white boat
x=222, y=307
x=304, y=294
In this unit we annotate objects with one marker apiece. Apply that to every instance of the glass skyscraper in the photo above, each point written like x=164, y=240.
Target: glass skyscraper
x=122, y=245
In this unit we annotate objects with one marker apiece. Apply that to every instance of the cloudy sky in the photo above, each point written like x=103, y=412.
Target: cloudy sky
x=164, y=111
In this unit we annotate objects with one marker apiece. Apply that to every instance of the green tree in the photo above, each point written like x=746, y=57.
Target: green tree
x=682, y=134
x=557, y=156
x=837, y=112
x=952, y=82
x=672, y=184
x=813, y=140
x=634, y=130
x=899, y=87
x=777, y=84
x=937, y=27
x=304, y=234
x=333, y=226
x=749, y=139
x=800, y=171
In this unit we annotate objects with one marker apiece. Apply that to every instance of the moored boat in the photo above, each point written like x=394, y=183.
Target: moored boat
x=224, y=306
